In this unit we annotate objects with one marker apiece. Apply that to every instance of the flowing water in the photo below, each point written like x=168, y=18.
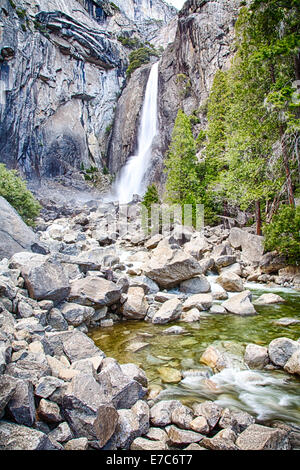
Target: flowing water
x=267, y=395
x=131, y=178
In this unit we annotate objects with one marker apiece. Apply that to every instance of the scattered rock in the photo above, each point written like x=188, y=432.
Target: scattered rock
x=240, y=304
x=257, y=437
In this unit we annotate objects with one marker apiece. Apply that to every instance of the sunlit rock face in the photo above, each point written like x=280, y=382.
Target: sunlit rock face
x=62, y=70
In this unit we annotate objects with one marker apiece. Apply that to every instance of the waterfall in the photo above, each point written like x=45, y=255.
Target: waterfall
x=131, y=178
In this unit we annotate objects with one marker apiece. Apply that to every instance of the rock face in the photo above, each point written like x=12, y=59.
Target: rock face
x=62, y=70
x=15, y=235
x=195, y=55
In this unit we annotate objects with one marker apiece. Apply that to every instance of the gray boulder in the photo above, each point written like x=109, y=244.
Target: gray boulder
x=18, y=437
x=15, y=235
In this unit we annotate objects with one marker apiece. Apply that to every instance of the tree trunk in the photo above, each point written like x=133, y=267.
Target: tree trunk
x=258, y=217
x=289, y=183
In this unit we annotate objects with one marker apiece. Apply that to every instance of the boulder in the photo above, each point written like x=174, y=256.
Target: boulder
x=199, y=301
x=169, y=267
x=47, y=281
x=136, y=305
x=8, y=386
x=15, y=235
x=293, y=364
x=272, y=262
x=94, y=291
x=169, y=374
x=126, y=431
x=258, y=437
x=181, y=437
x=49, y=412
x=196, y=285
x=169, y=311
x=230, y=282
x=76, y=314
x=22, y=406
x=281, y=349
x=182, y=416
x=191, y=316
x=81, y=443
x=161, y=412
x=252, y=245
x=211, y=412
x=256, y=357
x=79, y=346
x=268, y=299
x=18, y=437
x=240, y=304
x=140, y=443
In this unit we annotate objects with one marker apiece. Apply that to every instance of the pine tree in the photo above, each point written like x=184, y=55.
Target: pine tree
x=182, y=185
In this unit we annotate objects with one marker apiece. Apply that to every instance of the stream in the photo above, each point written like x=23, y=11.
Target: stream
x=266, y=394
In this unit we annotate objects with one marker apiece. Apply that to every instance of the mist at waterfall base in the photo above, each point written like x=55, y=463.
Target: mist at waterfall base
x=131, y=179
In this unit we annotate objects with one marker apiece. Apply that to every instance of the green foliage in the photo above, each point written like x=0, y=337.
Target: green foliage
x=283, y=233
x=130, y=43
x=151, y=196
x=105, y=170
x=114, y=6
x=140, y=56
x=15, y=191
x=12, y=4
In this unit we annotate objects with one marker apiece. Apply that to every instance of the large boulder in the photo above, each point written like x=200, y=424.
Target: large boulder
x=18, y=437
x=252, y=245
x=195, y=285
x=169, y=311
x=257, y=437
x=240, y=304
x=169, y=267
x=272, y=262
x=94, y=291
x=47, y=281
x=15, y=235
x=136, y=305
x=281, y=349
x=230, y=282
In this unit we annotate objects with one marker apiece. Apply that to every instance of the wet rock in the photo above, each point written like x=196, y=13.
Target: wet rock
x=293, y=364
x=217, y=310
x=287, y=321
x=174, y=330
x=267, y=299
x=281, y=349
x=257, y=437
x=169, y=374
x=240, y=304
x=191, y=316
x=256, y=357
x=169, y=311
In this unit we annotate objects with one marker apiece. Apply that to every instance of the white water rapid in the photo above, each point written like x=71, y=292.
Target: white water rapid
x=131, y=178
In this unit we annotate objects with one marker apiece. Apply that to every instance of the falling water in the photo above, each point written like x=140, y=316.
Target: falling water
x=131, y=178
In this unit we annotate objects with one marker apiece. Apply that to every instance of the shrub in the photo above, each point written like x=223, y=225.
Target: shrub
x=15, y=191
x=139, y=57
x=283, y=233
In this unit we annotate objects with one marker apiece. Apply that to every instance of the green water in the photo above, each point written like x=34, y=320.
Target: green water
x=183, y=351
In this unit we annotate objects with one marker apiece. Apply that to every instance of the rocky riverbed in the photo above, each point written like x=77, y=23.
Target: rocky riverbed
x=83, y=270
